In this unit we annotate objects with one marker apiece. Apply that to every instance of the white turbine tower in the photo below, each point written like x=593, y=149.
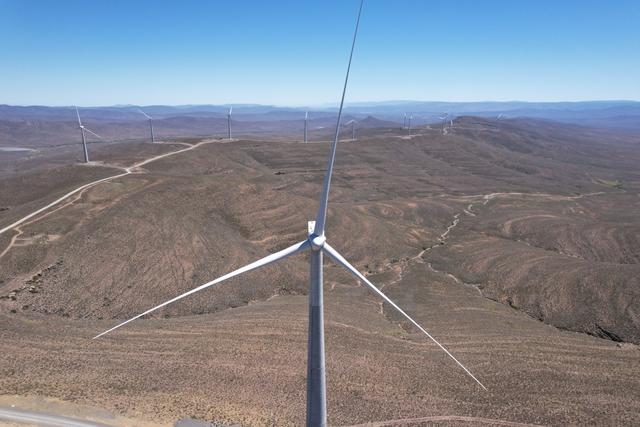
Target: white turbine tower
x=229, y=123
x=84, y=141
x=153, y=139
x=404, y=123
x=410, y=117
x=317, y=246
x=306, y=125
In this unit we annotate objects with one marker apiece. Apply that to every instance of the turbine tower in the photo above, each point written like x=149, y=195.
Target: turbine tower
x=404, y=123
x=84, y=141
x=153, y=139
x=353, y=130
x=306, y=125
x=317, y=246
x=410, y=117
x=229, y=123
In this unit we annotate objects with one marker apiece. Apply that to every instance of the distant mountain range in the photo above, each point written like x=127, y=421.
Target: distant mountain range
x=31, y=125
x=608, y=114
x=573, y=112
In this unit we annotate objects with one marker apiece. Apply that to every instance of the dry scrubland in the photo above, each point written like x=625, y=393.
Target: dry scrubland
x=515, y=242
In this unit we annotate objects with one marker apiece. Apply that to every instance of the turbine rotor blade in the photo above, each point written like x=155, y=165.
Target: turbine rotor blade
x=93, y=133
x=322, y=209
x=298, y=247
x=145, y=114
x=78, y=114
x=343, y=262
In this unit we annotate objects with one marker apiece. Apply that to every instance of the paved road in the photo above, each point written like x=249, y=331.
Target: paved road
x=34, y=418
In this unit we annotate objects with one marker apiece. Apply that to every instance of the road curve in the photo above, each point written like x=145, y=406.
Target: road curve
x=127, y=171
x=55, y=202
x=35, y=418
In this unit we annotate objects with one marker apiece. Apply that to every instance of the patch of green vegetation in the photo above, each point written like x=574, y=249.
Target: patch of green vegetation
x=609, y=183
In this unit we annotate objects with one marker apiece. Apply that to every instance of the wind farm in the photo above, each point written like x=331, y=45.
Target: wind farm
x=241, y=264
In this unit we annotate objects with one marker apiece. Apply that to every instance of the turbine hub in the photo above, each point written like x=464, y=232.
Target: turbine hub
x=317, y=242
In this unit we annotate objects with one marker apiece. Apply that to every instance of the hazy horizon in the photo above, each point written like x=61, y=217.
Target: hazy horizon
x=327, y=104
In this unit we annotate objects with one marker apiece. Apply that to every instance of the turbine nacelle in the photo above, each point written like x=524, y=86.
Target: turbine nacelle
x=317, y=242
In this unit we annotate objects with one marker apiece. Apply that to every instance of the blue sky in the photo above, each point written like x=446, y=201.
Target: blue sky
x=294, y=52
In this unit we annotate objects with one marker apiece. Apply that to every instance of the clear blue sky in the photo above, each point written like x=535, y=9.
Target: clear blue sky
x=294, y=52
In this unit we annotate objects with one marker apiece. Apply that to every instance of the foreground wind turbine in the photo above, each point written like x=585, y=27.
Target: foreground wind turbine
x=153, y=139
x=84, y=142
x=317, y=246
x=229, y=123
x=306, y=125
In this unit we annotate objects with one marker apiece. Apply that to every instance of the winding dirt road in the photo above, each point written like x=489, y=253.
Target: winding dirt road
x=135, y=168
x=401, y=266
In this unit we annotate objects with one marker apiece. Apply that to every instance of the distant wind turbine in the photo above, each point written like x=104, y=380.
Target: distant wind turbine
x=444, y=121
x=404, y=123
x=410, y=117
x=229, y=123
x=153, y=139
x=317, y=246
x=82, y=131
x=353, y=128
x=306, y=125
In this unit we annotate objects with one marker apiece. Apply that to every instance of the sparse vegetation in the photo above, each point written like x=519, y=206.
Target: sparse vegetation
x=610, y=183
x=562, y=257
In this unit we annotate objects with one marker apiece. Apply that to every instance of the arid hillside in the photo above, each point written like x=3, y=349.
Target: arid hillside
x=515, y=241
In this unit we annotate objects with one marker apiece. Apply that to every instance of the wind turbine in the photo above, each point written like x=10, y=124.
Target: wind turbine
x=410, y=117
x=306, y=125
x=84, y=142
x=317, y=245
x=444, y=120
x=353, y=128
x=229, y=123
x=153, y=139
x=404, y=123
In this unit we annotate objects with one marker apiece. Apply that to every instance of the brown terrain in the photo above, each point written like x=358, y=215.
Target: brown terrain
x=516, y=243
